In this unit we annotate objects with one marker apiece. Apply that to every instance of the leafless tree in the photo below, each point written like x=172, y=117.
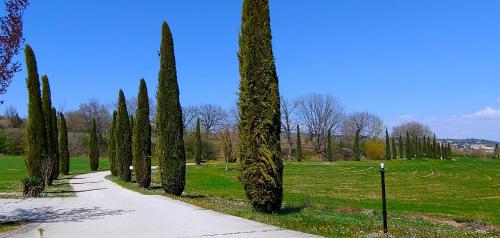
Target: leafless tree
x=320, y=113
x=287, y=110
x=81, y=119
x=212, y=117
x=189, y=115
x=369, y=125
x=415, y=129
x=13, y=119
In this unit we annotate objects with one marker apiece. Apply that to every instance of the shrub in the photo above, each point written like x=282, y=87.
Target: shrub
x=32, y=186
x=374, y=149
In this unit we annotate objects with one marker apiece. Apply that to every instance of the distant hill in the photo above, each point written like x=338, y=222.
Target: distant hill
x=471, y=143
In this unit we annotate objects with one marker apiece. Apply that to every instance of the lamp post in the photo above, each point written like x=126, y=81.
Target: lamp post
x=384, y=208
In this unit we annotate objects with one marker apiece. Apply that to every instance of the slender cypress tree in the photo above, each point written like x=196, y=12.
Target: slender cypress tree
x=123, y=139
x=259, y=101
x=112, y=146
x=394, y=148
x=408, y=145
x=36, y=139
x=197, y=143
x=142, y=138
x=49, y=130
x=55, y=136
x=401, y=150
x=435, y=148
x=388, y=154
x=93, y=147
x=357, y=150
x=329, y=149
x=171, y=152
x=450, y=152
x=63, y=145
x=298, y=150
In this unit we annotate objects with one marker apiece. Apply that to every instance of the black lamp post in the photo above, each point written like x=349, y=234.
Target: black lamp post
x=384, y=208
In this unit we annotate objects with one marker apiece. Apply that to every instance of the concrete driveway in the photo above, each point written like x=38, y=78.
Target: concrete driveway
x=103, y=209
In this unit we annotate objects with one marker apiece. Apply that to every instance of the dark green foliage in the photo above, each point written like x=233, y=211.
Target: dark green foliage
x=94, y=147
x=388, y=154
x=394, y=149
x=401, y=147
x=357, y=150
x=52, y=150
x=298, y=151
x=260, y=118
x=197, y=143
x=63, y=145
x=33, y=186
x=408, y=146
x=36, y=136
x=123, y=140
x=435, y=148
x=112, y=146
x=55, y=139
x=329, y=147
x=142, y=138
x=170, y=148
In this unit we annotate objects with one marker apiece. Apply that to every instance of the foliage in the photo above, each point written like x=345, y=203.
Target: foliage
x=123, y=137
x=388, y=153
x=169, y=125
x=94, y=147
x=329, y=146
x=63, y=145
x=197, y=143
x=33, y=186
x=55, y=140
x=374, y=149
x=112, y=146
x=356, y=148
x=227, y=147
x=36, y=145
x=11, y=39
x=142, y=138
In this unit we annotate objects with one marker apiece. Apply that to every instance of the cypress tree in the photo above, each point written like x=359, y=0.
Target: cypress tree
x=49, y=130
x=93, y=147
x=55, y=136
x=142, y=138
x=123, y=139
x=408, y=145
x=329, y=149
x=298, y=150
x=63, y=145
x=434, y=148
x=387, y=146
x=401, y=150
x=228, y=148
x=259, y=101
x=36, y=139
x=394, y=148
x=197, y=143
x=357, y=150
x=171, y=151
x=112, y=146
x=424, y=146
x=450, y=152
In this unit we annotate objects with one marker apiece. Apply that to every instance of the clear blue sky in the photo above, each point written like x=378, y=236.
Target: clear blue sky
x=433, y=61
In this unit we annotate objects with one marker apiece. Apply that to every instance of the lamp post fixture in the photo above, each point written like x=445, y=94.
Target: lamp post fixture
x=384, y=208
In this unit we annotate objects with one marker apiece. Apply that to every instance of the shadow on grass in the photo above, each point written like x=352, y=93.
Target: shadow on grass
x=51, y=214
x=61, y=184
x=290, y=210
x=194, y=196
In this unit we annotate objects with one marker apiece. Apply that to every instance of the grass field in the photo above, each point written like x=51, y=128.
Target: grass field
x=426, y=198
x=13, y=170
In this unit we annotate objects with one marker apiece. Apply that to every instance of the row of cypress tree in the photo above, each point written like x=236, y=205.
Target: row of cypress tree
x=47, y=143
x=416, y=147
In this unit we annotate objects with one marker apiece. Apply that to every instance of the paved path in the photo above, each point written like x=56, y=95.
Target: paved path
x=104, y=209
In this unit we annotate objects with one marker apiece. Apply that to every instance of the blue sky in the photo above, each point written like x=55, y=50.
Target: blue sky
x=437, y=62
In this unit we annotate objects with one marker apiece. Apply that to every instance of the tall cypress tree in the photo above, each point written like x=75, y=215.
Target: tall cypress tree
x=401, y=150
x=55, y=136
x=357, y=149
x=408, y=145
x=36, y=136
x=329, y=149
x=142, y=138
x=259, y=101
x=49, y=130
x=435, y=148
x=123, y=139
x=93, y=147
x=394, y=148
x=387, y=146
x=63, y=145
x=170, y=129
x=197, y=143
x=298, y=150
x=112, y=145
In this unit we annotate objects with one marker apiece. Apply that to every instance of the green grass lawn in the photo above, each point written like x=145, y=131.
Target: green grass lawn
x=13, y=170
x=426, y=198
